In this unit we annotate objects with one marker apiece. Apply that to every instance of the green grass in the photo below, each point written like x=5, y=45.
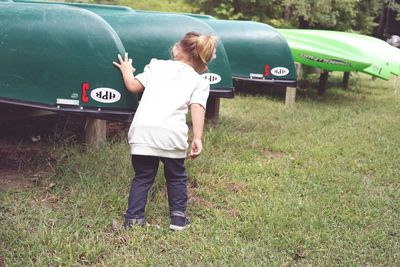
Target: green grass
x=314, y=184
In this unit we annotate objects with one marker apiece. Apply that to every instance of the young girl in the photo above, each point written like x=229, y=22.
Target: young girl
x=159, y=131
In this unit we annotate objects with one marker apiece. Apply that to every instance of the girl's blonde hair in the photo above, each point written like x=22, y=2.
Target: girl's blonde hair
x=199, y=48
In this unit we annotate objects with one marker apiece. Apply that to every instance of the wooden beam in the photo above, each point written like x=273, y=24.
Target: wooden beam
x=95, y=132
x=290, y=96
x=299, y=71
x=212, y=110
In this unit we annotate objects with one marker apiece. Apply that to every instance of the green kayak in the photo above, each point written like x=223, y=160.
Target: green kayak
x=325, y=53
x=384, y=59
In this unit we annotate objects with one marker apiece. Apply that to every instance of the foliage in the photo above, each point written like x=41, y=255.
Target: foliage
x=153, y=5
x=343, y=15
x=367, y=11
x=314, y=184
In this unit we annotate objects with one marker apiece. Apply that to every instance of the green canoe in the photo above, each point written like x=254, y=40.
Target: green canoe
x=144, y=36
x=58, y=58
x=256, y=51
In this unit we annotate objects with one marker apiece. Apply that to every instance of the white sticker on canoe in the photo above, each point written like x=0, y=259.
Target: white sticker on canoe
x=256, y=76
x=280, y=71
x=212, y=77
x=105, y=95
x=72, y=102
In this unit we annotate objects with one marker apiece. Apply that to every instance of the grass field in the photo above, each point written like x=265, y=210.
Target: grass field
x=314, y=184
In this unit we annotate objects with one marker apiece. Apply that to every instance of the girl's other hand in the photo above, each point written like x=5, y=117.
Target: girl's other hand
x=195, y=150
x=125, y=65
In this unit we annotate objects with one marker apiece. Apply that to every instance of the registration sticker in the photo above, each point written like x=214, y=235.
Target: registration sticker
x=212, y=78
x=105, y=95
x=280, y=71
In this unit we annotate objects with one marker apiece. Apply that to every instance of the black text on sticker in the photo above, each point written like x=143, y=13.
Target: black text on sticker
x=212, y=78
x=280, y=71
x=105, y=95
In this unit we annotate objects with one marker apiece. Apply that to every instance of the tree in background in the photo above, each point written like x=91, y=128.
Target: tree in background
x=389, y=19
x=372, y=17
x=343, y=15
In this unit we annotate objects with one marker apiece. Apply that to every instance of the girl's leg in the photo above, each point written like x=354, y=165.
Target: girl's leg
x=145, y=168
x=175, y=174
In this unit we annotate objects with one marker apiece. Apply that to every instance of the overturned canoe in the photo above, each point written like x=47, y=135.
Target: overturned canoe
x=385, y=58
x=349, y=48
x=256, y=51
x=58, y=58
x=144, y=37
x=325, y=53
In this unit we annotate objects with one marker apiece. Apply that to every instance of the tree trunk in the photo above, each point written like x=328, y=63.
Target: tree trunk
x=382, y=20
x=287, y=12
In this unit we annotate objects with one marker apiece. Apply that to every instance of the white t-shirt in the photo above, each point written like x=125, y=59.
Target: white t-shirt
x=159, y=126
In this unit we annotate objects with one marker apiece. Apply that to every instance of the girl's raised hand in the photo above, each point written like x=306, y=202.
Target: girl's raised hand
x=125, y=65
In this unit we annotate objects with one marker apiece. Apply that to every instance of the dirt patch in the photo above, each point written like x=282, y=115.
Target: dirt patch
x=15, y=157
x=274, y=154
x=27, y=145
x=14, y=180
x=22, y=163
x=117, y=130
x=235, y=187
x=198, y=200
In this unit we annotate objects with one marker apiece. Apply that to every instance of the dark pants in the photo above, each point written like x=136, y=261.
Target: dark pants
x=145, y=168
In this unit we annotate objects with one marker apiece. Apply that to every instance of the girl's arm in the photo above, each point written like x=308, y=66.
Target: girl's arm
x=198, y=114
x=127, y=70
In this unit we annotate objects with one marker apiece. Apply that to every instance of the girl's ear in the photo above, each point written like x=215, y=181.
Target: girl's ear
x=175, y=51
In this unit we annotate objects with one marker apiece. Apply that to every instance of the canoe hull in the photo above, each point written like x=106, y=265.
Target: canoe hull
x=144, y=39
x=322, y=52
x=257, y=52
x=54, y=57
x=383, y=59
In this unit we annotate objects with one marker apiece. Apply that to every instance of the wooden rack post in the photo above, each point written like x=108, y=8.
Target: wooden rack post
x=346, y=78
x=323, y=80
x=290, y=97
x=95, y=131
x=212, y=110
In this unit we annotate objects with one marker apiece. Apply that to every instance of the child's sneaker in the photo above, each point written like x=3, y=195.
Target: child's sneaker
x=129, y=223
x=178, y=222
